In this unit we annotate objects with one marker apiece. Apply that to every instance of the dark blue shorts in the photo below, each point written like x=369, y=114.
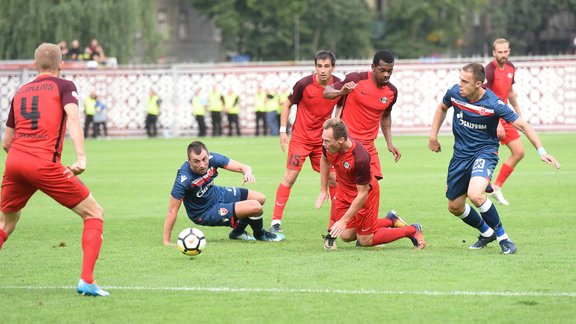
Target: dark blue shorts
x=461, y=171
x=222, y=213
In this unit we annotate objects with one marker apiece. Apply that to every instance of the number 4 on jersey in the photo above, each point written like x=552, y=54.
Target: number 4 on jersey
x=33, y=115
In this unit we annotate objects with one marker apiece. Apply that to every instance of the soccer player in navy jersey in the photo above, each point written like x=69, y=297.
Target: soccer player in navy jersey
x=211, y=205
x=354, y=215
x=476, y=116
x=499, y=78
x=313, y=110
x=34, y=135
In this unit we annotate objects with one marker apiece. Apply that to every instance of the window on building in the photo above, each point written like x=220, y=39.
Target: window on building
x=162, y=23
x=183, y=24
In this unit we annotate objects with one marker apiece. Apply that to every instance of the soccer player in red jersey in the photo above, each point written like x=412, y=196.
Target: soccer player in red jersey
x=499, y=78
x=313, y=110
x=369, y=98
x=33, y=139
x=356, y=203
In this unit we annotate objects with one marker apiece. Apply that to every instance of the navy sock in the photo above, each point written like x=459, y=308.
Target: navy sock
x=471, y=217
x=257, y=225
x=240, y=227
x=490, y=214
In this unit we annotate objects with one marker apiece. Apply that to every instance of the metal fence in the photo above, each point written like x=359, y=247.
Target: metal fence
x=546, y=92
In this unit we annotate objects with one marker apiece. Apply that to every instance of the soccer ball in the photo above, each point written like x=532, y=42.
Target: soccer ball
x=191, y=241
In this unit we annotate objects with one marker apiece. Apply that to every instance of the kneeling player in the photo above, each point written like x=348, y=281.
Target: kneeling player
x=358, y=195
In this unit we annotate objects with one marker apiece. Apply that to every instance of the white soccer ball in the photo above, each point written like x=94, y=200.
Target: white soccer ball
x=191, y=241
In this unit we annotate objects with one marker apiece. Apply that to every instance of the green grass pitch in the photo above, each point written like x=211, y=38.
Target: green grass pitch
x=296, y=280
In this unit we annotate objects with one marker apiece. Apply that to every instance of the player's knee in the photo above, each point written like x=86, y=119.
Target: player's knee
x=455, y=210
x=477, y=198
x=365, y=240
x=256, y=209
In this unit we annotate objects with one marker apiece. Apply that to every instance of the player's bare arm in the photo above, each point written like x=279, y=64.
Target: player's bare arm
x=338, y=111
x=331, y=93
x=283, y=123
x=357, y=204
x=529, y=131
x=7, y=139
x=324, y=173
x=77, y=136
x=173, y=207
x=513, y=101
x=386, y=126
x=246, y=170
x=439, y=117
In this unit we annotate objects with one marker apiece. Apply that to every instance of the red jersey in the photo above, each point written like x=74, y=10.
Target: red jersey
x=313, y=109
x=352, y=168
x=38, y=117
x=500, y=80
x=365, y=105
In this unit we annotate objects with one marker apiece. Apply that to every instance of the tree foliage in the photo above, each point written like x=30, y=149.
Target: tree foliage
x=25, y=24
x=527, y=19
x=415, y=28
x=268, y=30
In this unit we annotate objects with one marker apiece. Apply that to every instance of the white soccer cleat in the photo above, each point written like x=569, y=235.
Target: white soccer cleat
x=497, y=194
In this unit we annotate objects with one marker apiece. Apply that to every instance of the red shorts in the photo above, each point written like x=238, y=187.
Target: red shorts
x=375, y=167
x=365, y=220
x=24, y=174
x=511, y=132
x=298, y=152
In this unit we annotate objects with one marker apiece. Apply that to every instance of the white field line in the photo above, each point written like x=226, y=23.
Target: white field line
x=320, y=291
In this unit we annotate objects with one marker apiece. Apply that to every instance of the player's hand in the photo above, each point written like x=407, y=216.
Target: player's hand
x=75, y=169
x=347, y=88
x=550, y=160
x=248, y=178
x=395, y=151
x=434, y=145
x=322, y=197
x=500, y=132
x=338, y=228
x=283, y=141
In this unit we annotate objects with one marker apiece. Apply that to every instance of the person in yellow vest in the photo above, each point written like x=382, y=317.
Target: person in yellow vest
x=89, y=111
x=199, y=104
x=232, y=109
x=260, y=109
x=272, y=104
x=216, y=106
x=153, y=112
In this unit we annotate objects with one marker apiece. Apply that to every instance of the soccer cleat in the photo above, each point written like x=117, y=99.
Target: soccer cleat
x=482, y=242
x=270, y=237
x=244, y=236
x=508, y=247
x=329, y=242
x=276, y=228
x=418, y=238
x=497, y=194
x=85, y=289
x=396, y=219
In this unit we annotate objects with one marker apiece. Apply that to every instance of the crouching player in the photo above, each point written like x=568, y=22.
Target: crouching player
x=210, y=205
x=357, y=200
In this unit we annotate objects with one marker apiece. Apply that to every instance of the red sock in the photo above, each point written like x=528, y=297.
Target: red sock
x=384, y=222
x=505, y=172
x=3, y=238
x=91, y=243
x=282, y=195
x=387, y=235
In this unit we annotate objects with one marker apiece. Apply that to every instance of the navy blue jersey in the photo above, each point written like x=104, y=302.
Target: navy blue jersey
x=198, y=192
x=474, y=123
